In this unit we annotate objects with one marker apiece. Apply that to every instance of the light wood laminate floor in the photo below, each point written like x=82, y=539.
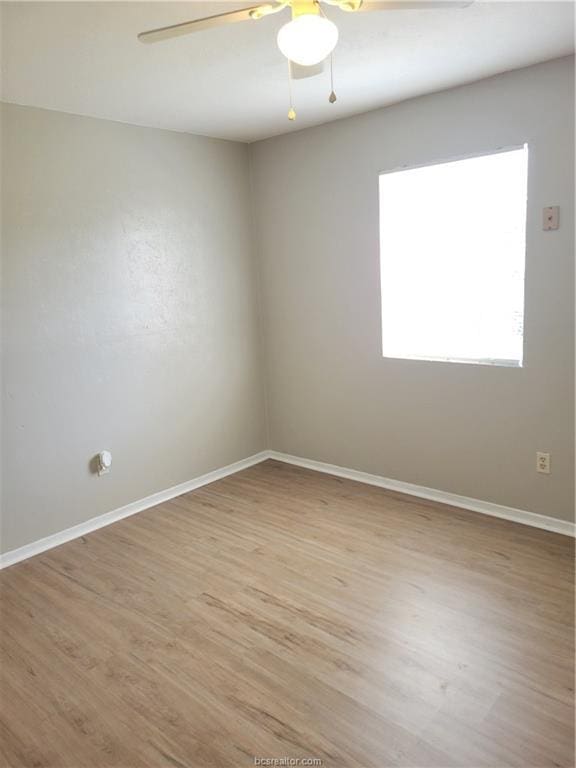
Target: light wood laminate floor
x=283, y=612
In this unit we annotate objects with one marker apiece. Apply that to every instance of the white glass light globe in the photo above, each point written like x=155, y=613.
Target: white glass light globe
x=308, y=39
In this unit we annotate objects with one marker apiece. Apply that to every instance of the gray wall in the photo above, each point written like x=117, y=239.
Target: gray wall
x=129, y=315
x=129, y=308
x=468, y=429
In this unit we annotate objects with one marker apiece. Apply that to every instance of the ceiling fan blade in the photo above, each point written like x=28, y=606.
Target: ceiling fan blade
x=187, y=27
x=406, y=5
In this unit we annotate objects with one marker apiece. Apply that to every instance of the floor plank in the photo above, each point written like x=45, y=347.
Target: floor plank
x=281, y=612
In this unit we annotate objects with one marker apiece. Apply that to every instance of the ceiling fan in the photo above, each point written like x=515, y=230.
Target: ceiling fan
x=309, y=38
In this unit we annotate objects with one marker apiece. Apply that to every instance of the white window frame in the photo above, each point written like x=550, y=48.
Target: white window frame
x=494, y=362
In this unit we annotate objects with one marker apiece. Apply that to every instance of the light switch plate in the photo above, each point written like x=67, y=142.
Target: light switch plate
x=551, y=218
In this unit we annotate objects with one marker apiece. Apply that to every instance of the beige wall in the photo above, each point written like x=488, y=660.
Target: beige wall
x=468, y=429
x=129, y=318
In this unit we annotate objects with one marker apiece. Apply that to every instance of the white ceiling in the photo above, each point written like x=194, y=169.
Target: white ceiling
x=231, y=82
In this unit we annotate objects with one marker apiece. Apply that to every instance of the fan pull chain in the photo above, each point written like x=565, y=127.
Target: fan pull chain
x=291, y=111
x=332, y=97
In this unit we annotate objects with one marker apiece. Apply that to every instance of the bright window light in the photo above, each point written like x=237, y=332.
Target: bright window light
x=452, y=252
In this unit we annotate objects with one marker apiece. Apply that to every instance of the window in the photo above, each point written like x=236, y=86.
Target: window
x=452, y=251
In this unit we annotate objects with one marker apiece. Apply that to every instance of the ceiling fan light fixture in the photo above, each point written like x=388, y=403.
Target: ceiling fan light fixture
x=308, y=39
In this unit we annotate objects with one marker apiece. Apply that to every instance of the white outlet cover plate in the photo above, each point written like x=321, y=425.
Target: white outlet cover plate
x=543, y=462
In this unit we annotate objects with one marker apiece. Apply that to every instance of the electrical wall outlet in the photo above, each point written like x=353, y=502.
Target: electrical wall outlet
x=543, y=462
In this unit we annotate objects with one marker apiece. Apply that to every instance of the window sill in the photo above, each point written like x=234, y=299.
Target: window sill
x=462, y=361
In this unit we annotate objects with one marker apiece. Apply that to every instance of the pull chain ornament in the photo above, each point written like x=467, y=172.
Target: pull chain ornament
x=291, y=111
x=332, y=97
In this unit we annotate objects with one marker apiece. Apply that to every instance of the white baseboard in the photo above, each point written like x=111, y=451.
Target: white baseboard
x=474, y=505
x=36, y=547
